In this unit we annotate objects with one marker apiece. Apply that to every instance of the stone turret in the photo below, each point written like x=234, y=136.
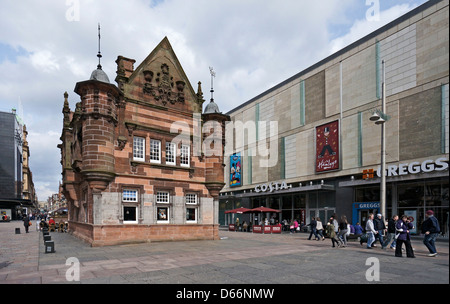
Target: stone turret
x=99, y=103
x=213, y=148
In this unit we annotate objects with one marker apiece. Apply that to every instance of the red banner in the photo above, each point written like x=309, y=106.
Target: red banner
x=267, y=229
x=327, y=147
x=257, y=229
x=276, y=229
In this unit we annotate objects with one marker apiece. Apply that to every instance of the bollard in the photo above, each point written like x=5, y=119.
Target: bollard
x=47, y=238
x=17, y=230
x=49, y=246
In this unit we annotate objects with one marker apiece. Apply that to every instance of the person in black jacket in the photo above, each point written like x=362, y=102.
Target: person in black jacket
x=313, y=225
x=379, y=226
x=390, y=237
x=26, y=222
x=431, y=229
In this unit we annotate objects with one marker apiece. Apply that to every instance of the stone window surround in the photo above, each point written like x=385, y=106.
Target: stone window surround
x=137, y=204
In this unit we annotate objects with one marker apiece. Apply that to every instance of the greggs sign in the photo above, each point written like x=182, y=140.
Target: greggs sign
x=439, y=164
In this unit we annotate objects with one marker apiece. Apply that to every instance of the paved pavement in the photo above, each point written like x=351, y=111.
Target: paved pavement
x=238, y=258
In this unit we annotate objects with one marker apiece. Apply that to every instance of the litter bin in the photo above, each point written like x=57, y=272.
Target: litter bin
x=17, y=230
x=49, y=246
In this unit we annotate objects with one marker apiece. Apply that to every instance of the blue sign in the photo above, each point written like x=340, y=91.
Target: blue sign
x=361, y=206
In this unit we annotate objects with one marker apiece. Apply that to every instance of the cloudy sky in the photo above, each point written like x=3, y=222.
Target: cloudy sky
x=47, y=46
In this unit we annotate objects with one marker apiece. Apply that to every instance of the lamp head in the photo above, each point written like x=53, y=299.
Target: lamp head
x=380, y=121
x=375, y=117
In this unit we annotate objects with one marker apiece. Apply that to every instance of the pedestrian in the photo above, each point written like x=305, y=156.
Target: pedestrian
x=26, y=222
x=371, y=232
x=237, y=225
x=335, y=224
x=390, y=237
x=313, y=225
x=244, y=226
x=332, y=233
x=358, y=230
x=343, y=229
x=403, y=237
x=379, y=226
x=319, y=229
x=431, y=229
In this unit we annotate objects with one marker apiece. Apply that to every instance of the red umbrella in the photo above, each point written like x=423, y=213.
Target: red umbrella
x=238, y=210
x=263, y=209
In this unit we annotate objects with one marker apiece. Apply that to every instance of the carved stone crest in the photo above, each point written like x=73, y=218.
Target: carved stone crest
x=163, y=90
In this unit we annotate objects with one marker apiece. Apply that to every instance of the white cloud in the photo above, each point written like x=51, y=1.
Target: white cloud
x=252, y=45
x=365, y=26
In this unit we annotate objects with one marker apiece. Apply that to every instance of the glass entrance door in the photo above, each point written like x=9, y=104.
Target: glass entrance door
x=364, y=215
x=325, y=214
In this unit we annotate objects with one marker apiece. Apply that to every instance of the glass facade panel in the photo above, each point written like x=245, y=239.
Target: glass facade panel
x=299, y=201
x=411, y=195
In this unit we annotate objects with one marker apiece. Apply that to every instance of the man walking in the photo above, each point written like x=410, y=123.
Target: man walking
x=390, y=233
x=380, y=227
x=431, y=229
x=370, y=230
x=313, y=225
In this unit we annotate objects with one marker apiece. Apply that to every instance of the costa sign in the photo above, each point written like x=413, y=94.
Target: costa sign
x=272, y=186
x=428, y=165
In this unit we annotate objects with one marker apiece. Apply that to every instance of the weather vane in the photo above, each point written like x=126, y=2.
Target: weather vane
x=213, y=74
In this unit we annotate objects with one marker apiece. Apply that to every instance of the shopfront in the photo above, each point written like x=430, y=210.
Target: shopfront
x=411, y=190
x=296, y=202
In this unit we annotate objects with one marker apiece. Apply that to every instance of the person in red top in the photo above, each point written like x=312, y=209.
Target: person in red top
x=51, y=221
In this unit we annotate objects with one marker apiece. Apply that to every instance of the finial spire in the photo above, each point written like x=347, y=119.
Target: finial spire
x=99, y=55
x=213, y=74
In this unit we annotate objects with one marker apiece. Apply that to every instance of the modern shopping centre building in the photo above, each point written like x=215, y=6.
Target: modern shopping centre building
x=307, y=146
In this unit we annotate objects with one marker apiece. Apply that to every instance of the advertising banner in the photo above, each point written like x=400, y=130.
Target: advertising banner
x=235, y=170
x=327, y=147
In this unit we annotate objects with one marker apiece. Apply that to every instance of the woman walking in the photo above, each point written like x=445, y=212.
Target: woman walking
x=403, y=237
x=332, y=233
x=343, y=229
x=319, y=229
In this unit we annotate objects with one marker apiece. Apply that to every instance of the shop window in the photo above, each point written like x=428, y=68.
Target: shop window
x=162, y=214
x=130, y=210
x=170, y=153
x=155, y=151
x=139, y=148
x=411, y=195
x=191, y=215
x=129, y=214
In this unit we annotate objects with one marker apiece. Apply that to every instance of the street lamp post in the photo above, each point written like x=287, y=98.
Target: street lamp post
x=380, y=117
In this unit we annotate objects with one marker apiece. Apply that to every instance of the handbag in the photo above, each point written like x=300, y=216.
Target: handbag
x=364, y=237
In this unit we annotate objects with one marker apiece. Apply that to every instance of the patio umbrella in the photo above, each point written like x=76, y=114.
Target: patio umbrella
x=238, y=210
x=263, y=209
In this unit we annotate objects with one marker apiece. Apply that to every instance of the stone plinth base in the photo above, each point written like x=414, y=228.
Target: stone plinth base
x=107, y=235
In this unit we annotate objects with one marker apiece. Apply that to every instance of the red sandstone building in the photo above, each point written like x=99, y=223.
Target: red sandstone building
x=134, y=162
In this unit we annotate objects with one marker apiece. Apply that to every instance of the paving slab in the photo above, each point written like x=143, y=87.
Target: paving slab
x=237, y=258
